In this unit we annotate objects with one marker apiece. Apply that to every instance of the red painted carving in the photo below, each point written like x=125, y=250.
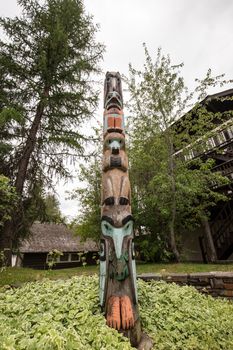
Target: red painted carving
x=120, y=313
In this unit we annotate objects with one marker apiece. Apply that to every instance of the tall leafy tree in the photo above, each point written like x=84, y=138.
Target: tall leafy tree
x=47, y=64
x=170, y=194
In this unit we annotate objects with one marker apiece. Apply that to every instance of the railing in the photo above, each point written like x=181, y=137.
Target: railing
x=222, y=231
x=220, y=139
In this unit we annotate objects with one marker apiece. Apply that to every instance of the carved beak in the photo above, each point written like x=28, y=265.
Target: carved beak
x=115, y=146
x=117, y=234
x=114, y=84
x=118, y=237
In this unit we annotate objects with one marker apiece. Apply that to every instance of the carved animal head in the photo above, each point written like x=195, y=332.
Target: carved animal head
x=117, y=215
x=115, y=142
x=113, y=91
x=117, y=233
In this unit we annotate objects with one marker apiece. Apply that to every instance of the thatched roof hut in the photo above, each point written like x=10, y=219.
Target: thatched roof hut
x=47, y=237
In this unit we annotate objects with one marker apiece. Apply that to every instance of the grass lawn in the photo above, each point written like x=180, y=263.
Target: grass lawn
x=17, y=276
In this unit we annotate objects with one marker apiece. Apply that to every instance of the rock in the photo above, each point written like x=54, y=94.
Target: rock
x=146, y=343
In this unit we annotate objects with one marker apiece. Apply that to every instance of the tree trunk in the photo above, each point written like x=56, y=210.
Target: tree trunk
x=171, y=166
x=173, y=244
x=29, y=147
x=173, y=203
x=211, y=251
x=9, y=229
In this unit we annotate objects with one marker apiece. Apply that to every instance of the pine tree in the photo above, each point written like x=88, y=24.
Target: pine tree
x=47, y=65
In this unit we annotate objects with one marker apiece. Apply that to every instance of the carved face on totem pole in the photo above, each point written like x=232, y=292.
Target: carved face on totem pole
x=113, y=97
x=118, y=295
x=114, y=142
x=114, y=152
x=113, y=103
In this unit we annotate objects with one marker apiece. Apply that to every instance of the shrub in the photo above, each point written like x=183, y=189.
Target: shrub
x=52, y=258
x=65, y=315
x=180, y=318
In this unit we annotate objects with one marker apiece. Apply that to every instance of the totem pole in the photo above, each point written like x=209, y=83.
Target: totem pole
x=118, y=290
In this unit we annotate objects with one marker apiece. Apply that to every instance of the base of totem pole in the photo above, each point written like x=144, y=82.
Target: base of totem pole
x=146, y=343
x=137, y=338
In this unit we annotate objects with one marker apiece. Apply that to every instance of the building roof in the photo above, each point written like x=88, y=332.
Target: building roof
x=219, y=102
x=46, y=237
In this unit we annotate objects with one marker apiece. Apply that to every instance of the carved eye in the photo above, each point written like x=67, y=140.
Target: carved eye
x=102, y=251
x=128, y=228
x=102, y=248
x=106, y=228
x=120, y=141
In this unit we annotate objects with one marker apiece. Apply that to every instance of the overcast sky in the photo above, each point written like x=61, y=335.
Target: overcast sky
x=196, y=32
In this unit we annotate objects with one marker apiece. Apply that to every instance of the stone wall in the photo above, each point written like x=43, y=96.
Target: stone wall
x=217, y=284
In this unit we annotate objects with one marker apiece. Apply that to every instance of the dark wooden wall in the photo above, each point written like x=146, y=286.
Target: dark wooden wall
x=38, y=261
x=34, y=260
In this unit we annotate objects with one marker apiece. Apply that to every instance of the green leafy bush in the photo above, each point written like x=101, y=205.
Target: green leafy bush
x=57, y=315
x=180, y=318
x=52, y=258
x=150, y=251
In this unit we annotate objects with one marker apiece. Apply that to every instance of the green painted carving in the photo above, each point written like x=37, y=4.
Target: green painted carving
x=102, y=281
x=103, y=255
x=134, y=272
x=117, y=234
x=118, y=268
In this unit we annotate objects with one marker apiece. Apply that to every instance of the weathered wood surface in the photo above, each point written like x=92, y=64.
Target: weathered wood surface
x=118, y=290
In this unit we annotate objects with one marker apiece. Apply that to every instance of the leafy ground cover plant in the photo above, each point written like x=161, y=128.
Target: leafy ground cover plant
x=60, y=315
x=180, y=318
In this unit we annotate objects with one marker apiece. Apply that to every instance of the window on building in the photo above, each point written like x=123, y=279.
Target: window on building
x=68, y=257
x=64, y=257
x=74, y=257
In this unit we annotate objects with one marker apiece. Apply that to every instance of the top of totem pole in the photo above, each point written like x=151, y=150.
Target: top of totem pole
x=113, y=97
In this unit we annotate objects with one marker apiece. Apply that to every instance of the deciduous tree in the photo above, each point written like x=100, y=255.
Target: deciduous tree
x=170, y=194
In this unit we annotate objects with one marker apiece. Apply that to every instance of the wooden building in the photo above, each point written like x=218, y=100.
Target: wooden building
x=214, y=242
x=46, y=237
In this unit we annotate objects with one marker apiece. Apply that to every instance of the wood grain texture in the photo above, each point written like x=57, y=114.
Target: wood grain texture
x=118, y=290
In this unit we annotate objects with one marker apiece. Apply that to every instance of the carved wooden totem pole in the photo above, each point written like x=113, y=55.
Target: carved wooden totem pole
x=118, y=290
